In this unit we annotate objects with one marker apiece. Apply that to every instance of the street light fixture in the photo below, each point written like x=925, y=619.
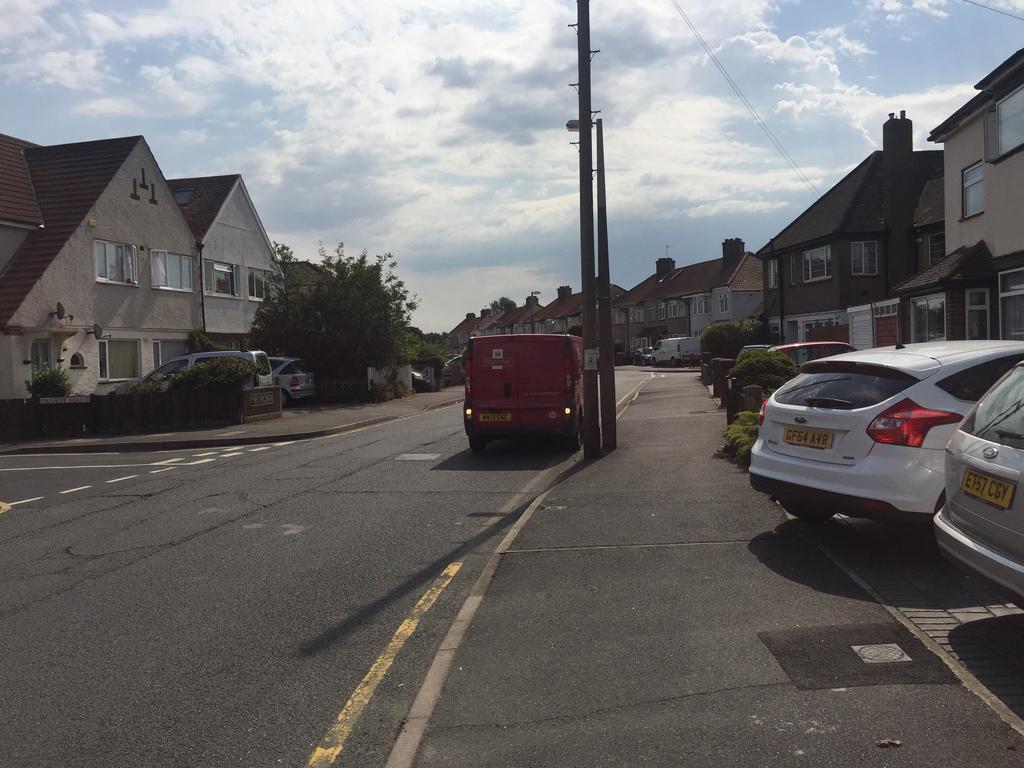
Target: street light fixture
x=606, y=344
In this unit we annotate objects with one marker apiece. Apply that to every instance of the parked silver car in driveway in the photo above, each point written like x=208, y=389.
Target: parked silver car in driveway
x=981, y=525
x=295, y=381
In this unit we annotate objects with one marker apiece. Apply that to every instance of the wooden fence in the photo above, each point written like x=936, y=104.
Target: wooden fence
x=118, y=414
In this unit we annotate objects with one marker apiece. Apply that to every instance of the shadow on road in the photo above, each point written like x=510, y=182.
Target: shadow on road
x=788, y=552
x=534, y=453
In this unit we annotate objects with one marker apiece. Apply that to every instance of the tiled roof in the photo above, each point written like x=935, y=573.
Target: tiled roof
x=68, y=179
x=749, y=275
x=696, y=278
x=854, y=203
x=465, y=326
x=17, y=198
x=972, y=262
x=931, y=208
x=564, y=307
x=207, y=196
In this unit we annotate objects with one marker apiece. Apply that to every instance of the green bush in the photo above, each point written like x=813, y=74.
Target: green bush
x=215, y=373
x=48, y=382
x=146, y=386
x=764, y=367
x=200, y=342
x=740, y=437
x=727, y=337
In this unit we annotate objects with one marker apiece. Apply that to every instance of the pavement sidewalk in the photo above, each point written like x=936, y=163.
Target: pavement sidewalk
x=655, y=611
x=296, y=423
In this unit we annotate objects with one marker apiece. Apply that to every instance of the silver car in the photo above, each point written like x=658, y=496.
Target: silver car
x=296, y=382
x=981, y=524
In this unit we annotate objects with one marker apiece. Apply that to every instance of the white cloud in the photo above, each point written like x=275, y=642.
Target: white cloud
x=193, y=136
x=108, y=106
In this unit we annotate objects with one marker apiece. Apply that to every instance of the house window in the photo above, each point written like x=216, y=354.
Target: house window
x=618, y=318
x=168, y=349
x=929, y=318
x=773, y=273
x=974, y=190
x=259, y=281
x=794, y=269
x=636, y=314
x=1010, y=121
x=936, y=247
x=818, y=264
x=675, y=308
x=702, y=304
x=976, y=301
x=723, y=302
x=115, y=262
x=864, y=258
x=40, y=353
x=775, y=333
x=170, y=270
x=119, y=359
x=220, y=278
x=1011, y=304
x=661, y=310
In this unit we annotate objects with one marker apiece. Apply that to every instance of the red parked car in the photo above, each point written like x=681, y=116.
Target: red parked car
x=523, y=384
x=805, y=351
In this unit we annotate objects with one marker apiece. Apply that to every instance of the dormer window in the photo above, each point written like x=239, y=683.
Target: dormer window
x=182, y=196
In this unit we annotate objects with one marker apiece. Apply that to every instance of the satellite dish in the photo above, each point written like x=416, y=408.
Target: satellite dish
x=97, y=330
x=60, y=311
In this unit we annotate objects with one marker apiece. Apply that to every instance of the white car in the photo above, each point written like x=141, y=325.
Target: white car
x=677, y=351
x=864, y=433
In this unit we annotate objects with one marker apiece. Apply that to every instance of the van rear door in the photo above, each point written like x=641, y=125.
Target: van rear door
x=542, y=381
x=495, y=391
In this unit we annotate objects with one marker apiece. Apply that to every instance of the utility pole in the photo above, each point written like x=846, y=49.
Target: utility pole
x=591, y=425
x=604, y=308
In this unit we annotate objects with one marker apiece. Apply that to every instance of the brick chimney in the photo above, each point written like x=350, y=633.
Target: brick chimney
x=485, y=312
x=471, y=315
x=663, y=266
x=564, y=291
x=531, y=301
x=733, y=249
x=897, y=197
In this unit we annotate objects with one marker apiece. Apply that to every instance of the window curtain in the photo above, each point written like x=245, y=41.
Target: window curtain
x=122, y=359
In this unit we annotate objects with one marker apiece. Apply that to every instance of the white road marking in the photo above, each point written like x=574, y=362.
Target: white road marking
x=119, y=479
x=232, y=434
x=79, y=466
x=168, y=461
x=235, y=453
x=27, y=501
x=286, y=442
x=79, y=488
x=261, y=448
x=208, y=453
x=417, y=456
x=45, y=455
x=193, y=463
x=158, y=471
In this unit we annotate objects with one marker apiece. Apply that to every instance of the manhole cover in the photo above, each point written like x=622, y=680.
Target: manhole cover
x=417, y=456
x=884, y=653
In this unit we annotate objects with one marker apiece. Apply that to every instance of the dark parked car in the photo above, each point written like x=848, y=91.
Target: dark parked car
x=643, y=356
x=421, y=383
x=451, y=367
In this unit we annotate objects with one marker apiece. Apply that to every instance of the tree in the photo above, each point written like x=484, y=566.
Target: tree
x=354, y=314
x=502, y=305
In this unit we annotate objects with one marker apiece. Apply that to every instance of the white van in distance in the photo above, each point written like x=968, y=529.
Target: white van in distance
x=681, y=350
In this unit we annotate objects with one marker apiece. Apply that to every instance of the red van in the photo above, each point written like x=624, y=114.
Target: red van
x=523, y=384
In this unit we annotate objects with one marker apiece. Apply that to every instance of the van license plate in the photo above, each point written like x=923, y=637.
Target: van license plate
x=809, y=438
x=989, y=489
x=495, y=417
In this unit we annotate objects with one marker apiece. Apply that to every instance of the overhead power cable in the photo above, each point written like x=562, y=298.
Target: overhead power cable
x=746, y=102
x=994, y=10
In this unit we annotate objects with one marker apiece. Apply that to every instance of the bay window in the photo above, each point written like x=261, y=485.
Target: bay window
x=818, y=264
x=1011, y=304
x=864, y=258
x=928, y=318
x=1010, y=121
x=976, y=305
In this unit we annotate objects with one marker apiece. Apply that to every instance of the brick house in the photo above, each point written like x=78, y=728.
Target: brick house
x=976, y=289
x=852, y=245
x=681, y=301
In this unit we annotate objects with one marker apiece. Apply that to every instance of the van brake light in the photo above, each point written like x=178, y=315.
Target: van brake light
x=907, y=423
x=760, y=417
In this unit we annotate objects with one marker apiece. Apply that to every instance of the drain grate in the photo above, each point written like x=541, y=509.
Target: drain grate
x=882, y=653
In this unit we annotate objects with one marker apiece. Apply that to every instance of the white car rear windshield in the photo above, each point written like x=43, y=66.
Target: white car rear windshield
x=844, y=386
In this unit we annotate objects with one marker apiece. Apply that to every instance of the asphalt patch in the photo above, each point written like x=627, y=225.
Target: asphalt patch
x=815, y=658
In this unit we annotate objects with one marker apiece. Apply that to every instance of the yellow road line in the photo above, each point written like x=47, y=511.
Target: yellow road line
x=333, y=742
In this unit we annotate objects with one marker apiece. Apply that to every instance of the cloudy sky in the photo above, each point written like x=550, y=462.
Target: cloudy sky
x=434, y=129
